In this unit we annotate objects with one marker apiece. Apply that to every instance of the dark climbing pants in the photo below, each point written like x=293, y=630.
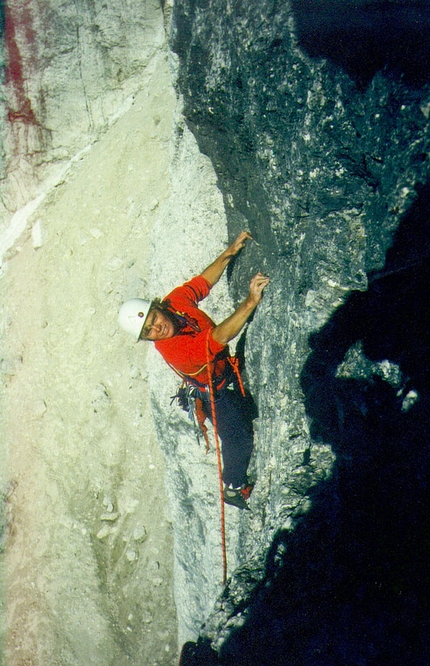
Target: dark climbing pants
x=234, y=416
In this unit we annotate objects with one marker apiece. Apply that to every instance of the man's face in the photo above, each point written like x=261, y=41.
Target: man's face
x=158, y=326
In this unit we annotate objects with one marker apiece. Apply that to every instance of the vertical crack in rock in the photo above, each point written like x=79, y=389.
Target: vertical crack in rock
x=81, y=75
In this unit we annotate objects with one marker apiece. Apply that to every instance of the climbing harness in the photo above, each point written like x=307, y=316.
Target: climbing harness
x=188, y=394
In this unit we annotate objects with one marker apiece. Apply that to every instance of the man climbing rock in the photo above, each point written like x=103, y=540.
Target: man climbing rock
x=197, y=350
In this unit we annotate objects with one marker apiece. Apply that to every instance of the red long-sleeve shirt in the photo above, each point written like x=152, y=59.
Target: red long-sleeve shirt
x=187, y=350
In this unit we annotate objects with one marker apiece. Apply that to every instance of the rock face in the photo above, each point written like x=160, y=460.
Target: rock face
x=326, y=162
x=71, y=69
x=307, y=124
x=85, y=521
x=89, y=538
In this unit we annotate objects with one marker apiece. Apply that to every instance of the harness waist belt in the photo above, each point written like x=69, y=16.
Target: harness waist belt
x=218, y=383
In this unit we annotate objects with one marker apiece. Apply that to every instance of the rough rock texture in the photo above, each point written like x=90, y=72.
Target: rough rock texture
x=326, y=162
x=307, y=122
x=72, y=67
x=88, y=537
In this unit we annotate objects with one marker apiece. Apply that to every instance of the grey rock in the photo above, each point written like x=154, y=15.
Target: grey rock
x=327, y=165
x=68, y=87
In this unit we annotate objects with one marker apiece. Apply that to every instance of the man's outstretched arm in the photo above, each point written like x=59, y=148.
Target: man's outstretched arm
x=230, y=327
x=213, y=272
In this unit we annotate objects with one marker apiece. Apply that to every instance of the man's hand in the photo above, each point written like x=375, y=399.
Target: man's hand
x=213, y=272
x=239, y=243
x=230, y=327
x=256, y=287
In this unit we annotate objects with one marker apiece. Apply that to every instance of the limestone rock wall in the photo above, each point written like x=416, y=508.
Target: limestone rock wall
x=308, y=125
x=324, y=158
x=87, y=571
x=71, y=69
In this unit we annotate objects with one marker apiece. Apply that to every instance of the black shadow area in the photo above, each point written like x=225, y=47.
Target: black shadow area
x=350, y=586
x=364, y=37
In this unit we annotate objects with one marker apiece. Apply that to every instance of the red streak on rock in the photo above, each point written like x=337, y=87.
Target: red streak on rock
x=18, y=23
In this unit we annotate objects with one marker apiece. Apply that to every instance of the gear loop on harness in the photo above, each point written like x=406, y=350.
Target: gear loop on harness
x=189, y=401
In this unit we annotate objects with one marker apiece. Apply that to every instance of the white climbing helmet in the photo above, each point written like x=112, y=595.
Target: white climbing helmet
x=132, y=315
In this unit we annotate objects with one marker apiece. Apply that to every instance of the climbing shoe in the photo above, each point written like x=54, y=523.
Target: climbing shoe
x=237, y=496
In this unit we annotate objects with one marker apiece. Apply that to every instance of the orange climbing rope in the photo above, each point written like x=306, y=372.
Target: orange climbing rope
x=218, y=453
x=234, y=362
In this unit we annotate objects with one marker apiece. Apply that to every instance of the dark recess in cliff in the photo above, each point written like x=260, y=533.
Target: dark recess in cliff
x=364, y=37
x=351, y=585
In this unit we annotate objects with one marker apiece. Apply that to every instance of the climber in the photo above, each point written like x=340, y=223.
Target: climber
x=187, y=338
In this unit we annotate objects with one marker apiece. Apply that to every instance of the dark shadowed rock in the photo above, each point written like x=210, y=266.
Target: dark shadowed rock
x=323, y=154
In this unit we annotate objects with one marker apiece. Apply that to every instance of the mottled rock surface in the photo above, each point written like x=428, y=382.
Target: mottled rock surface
x=326, y=162
x=72, y=68
x=87, y=573
x=306, y=122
